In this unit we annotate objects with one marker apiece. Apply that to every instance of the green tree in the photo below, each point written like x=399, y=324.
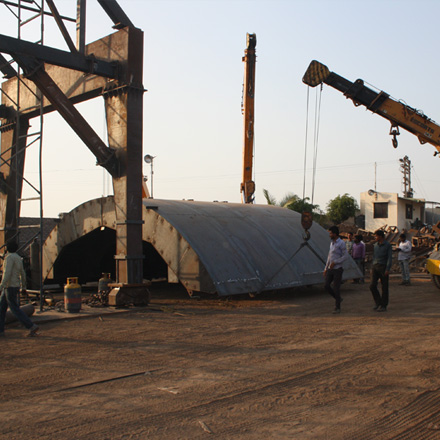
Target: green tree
x=341, y=208
x=303, y=205
x=296, y=203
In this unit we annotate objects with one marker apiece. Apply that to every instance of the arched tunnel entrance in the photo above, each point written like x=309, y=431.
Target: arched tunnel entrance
x=87, y=257
x=93, y=254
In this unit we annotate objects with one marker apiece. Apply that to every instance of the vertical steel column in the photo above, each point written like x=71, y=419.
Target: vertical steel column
x=81, y=25
x=124, y=113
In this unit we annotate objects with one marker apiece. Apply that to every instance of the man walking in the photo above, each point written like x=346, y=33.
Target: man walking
x=382, y=259
x=333, y=268
x=403, y=258
x=13, y=278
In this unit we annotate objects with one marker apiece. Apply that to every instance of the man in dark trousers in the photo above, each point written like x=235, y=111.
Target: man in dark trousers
x=13, y=278
x=333, y=268
x=382, y=259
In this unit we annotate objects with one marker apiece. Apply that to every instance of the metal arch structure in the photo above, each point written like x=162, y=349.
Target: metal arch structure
x=217, y=248
x=111, y=67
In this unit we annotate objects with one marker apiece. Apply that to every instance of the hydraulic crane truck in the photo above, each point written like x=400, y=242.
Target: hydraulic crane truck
x=398, y=113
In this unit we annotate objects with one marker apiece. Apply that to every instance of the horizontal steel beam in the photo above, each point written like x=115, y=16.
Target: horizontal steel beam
x=88, y=64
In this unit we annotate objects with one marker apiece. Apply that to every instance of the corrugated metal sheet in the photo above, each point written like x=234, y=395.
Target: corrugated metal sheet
x=249, y=248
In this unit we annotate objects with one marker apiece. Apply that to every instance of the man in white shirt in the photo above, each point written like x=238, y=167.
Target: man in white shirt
x=333, y=268
x=403, y=258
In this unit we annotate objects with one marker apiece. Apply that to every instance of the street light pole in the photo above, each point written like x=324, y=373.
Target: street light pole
x=148, y=158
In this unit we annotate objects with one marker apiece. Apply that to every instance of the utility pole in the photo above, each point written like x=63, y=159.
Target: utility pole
x=405, y=168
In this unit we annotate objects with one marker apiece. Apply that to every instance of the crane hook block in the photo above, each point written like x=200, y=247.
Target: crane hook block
x=394, y=132
x=316, y=74
x=306, y=223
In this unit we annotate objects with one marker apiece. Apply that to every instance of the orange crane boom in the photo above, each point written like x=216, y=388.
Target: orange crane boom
x=247, y=187
x=398, y=113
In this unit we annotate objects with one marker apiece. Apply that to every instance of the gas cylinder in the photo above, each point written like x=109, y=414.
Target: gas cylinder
x=104, y=282
x=72, y=295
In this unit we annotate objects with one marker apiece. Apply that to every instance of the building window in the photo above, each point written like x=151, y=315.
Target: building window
x=408, y=211
x=380, y=210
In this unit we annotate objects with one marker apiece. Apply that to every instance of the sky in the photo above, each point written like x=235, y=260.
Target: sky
x=193, y=125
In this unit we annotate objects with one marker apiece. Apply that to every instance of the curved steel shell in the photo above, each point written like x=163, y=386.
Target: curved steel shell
x=221, y=248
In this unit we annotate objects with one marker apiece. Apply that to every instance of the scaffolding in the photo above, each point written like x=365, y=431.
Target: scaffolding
x=29, y=14
x=111, y=67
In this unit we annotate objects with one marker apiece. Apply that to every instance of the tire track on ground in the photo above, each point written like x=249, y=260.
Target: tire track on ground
x=257, y=396
x=418, y=420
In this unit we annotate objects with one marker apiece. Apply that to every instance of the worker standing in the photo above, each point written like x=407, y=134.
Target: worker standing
x=13, y=278
x=382, y=259
x=349, y=243
x=403, y=258
x=358, y=255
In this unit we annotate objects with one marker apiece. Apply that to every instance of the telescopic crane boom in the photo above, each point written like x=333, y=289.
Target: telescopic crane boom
x=398, y=113
x=247, y=187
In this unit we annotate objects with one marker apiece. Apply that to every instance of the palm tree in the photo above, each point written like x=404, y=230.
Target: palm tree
x=285, y=201
x=295, y=203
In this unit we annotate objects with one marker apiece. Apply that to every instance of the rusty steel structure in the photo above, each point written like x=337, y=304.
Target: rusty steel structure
x=56, y=80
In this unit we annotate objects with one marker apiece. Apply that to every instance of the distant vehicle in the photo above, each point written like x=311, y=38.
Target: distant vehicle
x=433, y=265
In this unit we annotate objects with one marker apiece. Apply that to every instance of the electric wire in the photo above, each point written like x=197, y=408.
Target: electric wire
x=419, y=182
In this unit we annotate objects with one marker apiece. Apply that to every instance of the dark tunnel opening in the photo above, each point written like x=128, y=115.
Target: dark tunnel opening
x=93, y=254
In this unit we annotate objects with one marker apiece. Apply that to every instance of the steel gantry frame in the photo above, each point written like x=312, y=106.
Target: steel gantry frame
x=15, y=134
x=111, y=67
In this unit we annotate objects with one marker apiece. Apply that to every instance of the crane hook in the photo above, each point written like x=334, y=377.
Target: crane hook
x=394, y=131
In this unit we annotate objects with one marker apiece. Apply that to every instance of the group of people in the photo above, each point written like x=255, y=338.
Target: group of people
x=380, y=269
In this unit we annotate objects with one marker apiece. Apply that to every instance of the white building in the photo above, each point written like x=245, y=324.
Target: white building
x=388, y=209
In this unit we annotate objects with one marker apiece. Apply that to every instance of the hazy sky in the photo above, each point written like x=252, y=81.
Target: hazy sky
x=193, y=72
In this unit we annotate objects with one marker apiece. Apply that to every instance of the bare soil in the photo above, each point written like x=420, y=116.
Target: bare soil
x=281, y=366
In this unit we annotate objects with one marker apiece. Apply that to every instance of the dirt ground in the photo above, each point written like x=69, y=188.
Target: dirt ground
x=280, y=366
